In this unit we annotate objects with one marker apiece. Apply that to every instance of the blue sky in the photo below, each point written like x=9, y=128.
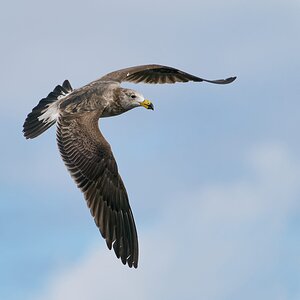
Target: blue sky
x=212, y=174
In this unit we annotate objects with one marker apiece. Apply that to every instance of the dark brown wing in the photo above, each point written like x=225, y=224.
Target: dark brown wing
x=90, y=161
x=157, y=74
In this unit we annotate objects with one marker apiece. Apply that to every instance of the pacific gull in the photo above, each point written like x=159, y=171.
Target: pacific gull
x=87, y=154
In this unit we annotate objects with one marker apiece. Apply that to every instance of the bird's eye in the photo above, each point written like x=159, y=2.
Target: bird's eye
x=133, y=96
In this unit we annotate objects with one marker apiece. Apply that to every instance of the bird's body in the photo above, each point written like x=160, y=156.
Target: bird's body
x=87, y=154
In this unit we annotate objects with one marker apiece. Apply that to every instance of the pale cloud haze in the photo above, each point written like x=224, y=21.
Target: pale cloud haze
x=224, y=242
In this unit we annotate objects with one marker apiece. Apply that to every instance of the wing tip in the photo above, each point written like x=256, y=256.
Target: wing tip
x=221, y=81
x=230, y=79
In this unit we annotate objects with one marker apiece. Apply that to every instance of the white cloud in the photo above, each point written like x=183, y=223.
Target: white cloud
x=221, y=242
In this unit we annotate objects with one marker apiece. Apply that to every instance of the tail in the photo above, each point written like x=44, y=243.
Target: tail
x=45, y=114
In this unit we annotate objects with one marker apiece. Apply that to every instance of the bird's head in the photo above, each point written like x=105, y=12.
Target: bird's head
x=129, y=99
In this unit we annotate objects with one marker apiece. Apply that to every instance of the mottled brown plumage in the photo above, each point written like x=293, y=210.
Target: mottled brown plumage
x=87, y=154
x=90, y=161
x=156, y=74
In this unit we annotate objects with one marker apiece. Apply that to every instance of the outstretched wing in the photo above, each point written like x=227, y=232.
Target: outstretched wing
x=156, y=74
x=91, y=163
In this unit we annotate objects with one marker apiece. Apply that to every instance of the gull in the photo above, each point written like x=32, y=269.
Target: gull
x=86, y=153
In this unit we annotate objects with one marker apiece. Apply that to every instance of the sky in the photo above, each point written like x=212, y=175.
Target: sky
x=212, y=174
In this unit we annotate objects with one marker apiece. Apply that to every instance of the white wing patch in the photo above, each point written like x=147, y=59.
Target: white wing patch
x=50, y=113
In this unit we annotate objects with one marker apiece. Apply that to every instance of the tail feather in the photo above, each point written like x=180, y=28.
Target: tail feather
x=44, y=115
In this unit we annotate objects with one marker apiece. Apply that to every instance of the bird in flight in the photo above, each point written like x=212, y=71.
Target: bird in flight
x=86, y=153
